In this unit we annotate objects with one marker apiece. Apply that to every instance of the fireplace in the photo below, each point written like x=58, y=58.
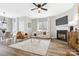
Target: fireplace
x=62, y=35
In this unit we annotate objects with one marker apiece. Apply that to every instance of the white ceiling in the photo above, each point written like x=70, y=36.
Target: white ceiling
x=23, y=9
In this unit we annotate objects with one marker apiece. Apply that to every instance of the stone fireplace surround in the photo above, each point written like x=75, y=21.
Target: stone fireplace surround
x=62, y=35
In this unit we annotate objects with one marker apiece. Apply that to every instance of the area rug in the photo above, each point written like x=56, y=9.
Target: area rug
x=37, y=46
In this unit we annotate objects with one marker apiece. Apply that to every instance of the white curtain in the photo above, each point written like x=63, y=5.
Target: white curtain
x=21, y=25
x=14, y=27
x=18, y=25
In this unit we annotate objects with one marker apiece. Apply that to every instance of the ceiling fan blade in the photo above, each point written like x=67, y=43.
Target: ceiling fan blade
x=34, y=9
x=44, y=4
x=35, y=4
x=44, y=9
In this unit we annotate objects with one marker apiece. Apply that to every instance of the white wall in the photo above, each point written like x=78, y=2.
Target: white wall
x=34, y=25
x=74, y=20
x=76, y=16
x=52, y=26
x=71, y=16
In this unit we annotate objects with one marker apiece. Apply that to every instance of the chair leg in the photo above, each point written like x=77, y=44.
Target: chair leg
x=6, y=40
x=0, y=38
x=14, y=40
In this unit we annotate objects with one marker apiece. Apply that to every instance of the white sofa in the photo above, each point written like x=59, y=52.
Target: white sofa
x=41, y=34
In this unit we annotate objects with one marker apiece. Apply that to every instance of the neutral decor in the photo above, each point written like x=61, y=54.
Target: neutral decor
x=37, y=46
x=41, y=34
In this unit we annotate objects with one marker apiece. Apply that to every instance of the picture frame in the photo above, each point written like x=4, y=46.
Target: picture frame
x=29, y=25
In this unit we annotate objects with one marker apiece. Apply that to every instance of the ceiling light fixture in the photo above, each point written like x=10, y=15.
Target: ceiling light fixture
x=4, y=22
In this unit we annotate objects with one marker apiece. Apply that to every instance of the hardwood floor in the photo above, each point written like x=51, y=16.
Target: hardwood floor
x=56, y=48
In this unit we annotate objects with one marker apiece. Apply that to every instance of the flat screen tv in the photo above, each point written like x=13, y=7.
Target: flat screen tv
x=62, y=21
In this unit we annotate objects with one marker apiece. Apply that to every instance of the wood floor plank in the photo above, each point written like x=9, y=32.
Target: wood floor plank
x=56, y=48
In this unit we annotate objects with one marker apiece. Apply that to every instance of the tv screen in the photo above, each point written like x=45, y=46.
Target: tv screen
x=62, y=20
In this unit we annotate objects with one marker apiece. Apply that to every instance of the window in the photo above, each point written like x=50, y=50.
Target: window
x=42, y=25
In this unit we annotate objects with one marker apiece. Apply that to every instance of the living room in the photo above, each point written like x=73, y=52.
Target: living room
x=39, y=29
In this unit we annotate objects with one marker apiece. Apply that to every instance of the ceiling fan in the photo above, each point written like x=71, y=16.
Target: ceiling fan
x=39, y=7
